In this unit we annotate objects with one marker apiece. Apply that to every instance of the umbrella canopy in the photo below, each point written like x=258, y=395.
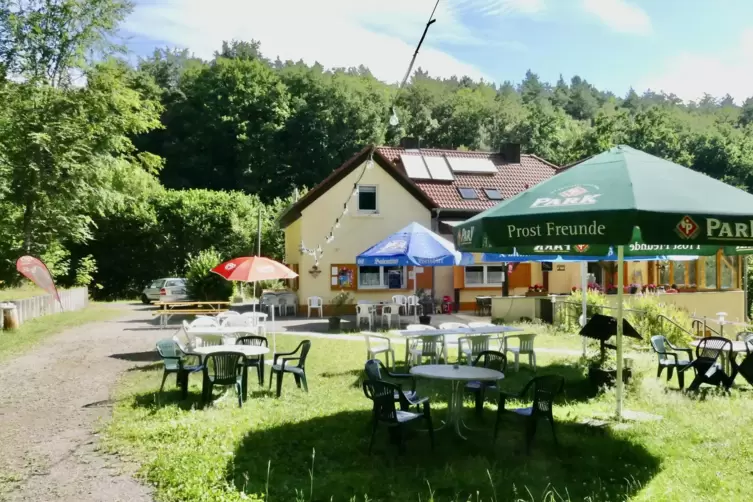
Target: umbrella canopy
x=606, y=200
x=602, y=199
x=413, y=245
x=253, y=269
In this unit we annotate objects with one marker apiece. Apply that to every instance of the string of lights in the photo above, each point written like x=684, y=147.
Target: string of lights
x=318, y=252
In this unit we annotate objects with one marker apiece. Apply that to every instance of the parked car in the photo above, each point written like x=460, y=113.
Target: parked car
x=170, y=289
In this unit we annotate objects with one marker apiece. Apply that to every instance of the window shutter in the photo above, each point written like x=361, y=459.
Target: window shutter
x=520, y=277
x=458, y=274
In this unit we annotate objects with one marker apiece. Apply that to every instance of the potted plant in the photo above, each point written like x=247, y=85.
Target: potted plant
x=611, y=289
x=339, y=304
x=602, y=369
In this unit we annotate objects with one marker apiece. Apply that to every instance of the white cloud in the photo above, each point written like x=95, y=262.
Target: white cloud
x=379, y=34
x=619, y=15
x=502, y=7
x=690, y=75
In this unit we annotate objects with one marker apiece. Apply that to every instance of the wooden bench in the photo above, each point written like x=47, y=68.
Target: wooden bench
x=169, y=309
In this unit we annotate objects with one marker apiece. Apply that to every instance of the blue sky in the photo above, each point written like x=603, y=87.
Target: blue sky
x=683, y=46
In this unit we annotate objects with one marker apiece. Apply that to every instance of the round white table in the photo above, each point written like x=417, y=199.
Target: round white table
x=458, y=375
x=246, y=350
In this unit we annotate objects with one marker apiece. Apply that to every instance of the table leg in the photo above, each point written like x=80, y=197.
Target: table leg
x=244, y=383
x=456, y=410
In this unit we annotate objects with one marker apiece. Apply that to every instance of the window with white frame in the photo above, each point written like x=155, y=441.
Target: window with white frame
x=382, y=277
x=484, y=275
x=367, y=199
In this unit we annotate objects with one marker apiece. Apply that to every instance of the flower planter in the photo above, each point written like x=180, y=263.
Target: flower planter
x=334, y=324
x=536, y=293
x=604, y=377
x=424, y=319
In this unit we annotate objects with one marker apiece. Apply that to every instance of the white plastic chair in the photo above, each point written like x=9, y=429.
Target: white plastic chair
x=228, y=313
x=401, y=301
x=420, y=327
x=470, y=346
x=208, y=340
x=365, y=312
x=315, y=303
x=481, y=324
x=425, y=346
x=272, y=303
x=285, y=306
x=372, y=349
x=525, y=346
x=452, y=339
x=388, y=312
x=414, y=306
x=258, y=320
x=204, y=322
x=238, y=321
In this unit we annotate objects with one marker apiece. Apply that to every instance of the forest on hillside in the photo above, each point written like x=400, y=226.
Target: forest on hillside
x=116, y=172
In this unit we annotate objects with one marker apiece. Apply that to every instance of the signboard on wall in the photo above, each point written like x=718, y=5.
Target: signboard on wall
x=560, y=268
x=546, y=266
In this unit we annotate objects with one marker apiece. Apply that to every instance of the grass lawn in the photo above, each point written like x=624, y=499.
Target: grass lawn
x=25, y=291
x=701, y=450
x=33, y=332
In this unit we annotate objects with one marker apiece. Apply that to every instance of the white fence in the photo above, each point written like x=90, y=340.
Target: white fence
x=38, y=306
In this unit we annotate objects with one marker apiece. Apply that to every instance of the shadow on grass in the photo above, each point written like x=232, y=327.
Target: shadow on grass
x=138, y=357
x=149, y=367
x=603, y=467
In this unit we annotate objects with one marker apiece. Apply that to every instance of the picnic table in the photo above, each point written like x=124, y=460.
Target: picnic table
x=168, y=309
x=486, y=330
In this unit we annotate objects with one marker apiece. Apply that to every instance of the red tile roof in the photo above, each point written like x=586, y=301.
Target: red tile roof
x=509, y=179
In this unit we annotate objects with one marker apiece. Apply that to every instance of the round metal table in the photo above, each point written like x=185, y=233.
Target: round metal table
x=458, y=375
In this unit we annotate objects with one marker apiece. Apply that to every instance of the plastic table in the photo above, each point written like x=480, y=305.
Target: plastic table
x=458, y=375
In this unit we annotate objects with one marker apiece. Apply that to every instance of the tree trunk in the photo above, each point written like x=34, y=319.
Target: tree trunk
x=28, y=219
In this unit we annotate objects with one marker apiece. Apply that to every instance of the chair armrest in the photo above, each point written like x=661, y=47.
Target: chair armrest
x=385, y=338
x=286, y=360
x=280, y=354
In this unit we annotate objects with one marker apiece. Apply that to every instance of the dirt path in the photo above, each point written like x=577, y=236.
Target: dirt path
x=51, y=402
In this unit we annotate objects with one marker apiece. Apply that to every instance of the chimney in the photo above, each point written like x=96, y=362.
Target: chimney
x=511, y=152
x=410, y=143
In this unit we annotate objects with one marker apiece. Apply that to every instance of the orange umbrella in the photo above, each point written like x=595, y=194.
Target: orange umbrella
x=253, y=269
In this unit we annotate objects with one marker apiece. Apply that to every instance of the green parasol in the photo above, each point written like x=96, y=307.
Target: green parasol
x=620, y=197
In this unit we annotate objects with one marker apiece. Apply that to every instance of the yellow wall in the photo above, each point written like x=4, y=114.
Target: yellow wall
x=705, y=303
x=397, y=208
x=512, y=308
x=293, y=242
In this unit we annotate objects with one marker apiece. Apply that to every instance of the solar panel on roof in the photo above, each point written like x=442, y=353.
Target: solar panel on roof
x=471, y=165
x=415, y=167
x=438, y=168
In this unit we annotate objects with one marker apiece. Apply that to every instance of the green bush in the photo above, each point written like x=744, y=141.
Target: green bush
x=145, y=240
x=202, y=283
x=647, y=320
x=569, y=311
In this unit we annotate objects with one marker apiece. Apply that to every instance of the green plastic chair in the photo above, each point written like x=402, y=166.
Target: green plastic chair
x=223, y=368
x=173, y=359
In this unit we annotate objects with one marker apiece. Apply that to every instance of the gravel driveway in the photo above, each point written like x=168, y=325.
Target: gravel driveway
x=51, y=401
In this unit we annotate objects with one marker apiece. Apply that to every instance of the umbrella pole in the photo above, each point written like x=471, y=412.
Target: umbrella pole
x=584, y=299
x=620, y=291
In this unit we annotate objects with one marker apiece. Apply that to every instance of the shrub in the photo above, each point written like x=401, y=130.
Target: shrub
x=571, y=309
x=202, y=283
x=340, y=303
x=649, y=321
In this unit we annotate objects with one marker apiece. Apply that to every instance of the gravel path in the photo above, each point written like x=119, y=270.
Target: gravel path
x=51, y=402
